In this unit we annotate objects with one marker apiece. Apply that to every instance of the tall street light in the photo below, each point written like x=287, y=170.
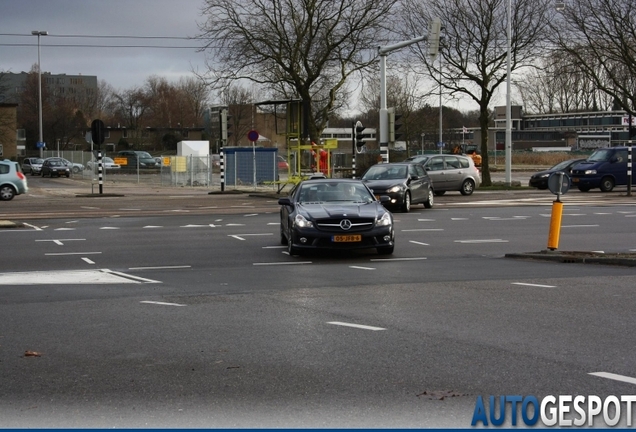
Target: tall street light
x=508, y=151
x=39, y=33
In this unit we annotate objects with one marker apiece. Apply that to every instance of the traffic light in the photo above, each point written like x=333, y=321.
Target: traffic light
x=434, y=29
x=395, y=124
x=359, y=137
x=225, y=119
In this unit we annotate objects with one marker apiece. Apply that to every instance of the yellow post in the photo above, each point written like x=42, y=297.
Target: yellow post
x=555, y=225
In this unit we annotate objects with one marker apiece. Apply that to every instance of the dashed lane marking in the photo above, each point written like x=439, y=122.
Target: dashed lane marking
x=71, y=277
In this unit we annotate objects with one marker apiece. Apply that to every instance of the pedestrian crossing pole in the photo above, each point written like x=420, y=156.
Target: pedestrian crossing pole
x=629, y=167
x=353, y=149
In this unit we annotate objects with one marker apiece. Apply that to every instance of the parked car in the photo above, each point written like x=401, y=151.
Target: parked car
x=12, y=180
x=341, y=214
x=604, y=169
x=74, y=166
x=107, y=164
x=32, y=165
x=405, y=183
x=282, y=164
x=136, y=157
x=451, y=173
x=540, y=179
x=56, y=167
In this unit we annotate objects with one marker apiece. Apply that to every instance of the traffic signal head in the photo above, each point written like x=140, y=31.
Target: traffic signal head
x=395, y=124
x=359, y=137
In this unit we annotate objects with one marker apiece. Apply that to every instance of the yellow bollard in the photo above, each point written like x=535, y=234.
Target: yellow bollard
x=555, y=225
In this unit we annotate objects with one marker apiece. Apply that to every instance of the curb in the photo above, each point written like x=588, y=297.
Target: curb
x=619, y=259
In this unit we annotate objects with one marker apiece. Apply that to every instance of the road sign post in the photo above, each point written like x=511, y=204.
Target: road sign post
x=97, y=136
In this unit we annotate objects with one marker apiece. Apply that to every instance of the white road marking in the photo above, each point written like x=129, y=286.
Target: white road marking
x=88, y=261
x=482, y=241
x=496, y=218
x=70, y=222
x=161, y=303
x=398, y=259
x=89, y=208
x=159, y=267
x=64, y=229
x=282, y=263
x=273, y=223
x=208, y=207
x=614, y=377
x=234, y=224
x=533, y=285
x=195, y=226
x=578, y=226
x=250, y=215
x=362, y=268
x=73, y=253
x=240, y=236
x=33, y=226
x=109, y=228
x=423, y=229
x=59, y=241
x=419, y=243
x=68, y=277
x=360, y=326
x=426, y=220
x=274, y=247
x=602, y=213
x=459, y=219
x=153, y=226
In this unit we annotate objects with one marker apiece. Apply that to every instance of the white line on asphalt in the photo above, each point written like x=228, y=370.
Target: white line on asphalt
x=423, y=229
x=533, y=285
x=360, y=326
x=234, y=224
x=426, y=220
x=64, y=229
x=161, y=303
x=419, y=243
x=459, y=219
x=598, y=251
x=195, y=226
x=240, y=236
x=208, y=207
x=482, y=241
x=159, y=267
x=89, y=208
x=250, y=215
x=74, y=253
x=614, y=377
x=574, y=214
x=362, y=268
x=274, y=247
x=496, y=218
x=274, y=223
x=578, y=226
x=109, y=228
x=33, y=226
x=72, y=221
x=124, y=275
x=59, y=241
x=602, y=213
x=153, y=226
x=397, y=259
x=282, y=263
x=88, y=260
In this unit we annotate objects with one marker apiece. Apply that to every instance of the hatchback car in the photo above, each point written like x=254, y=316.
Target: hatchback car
x=107, y=164
x=32, y=165
x=540, y=179
x=451, y=173
x=12, y=180
x=404, y=183
x=340, y=214
x=55, y=167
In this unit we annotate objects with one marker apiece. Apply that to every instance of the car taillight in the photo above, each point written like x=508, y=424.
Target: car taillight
x=21, y=176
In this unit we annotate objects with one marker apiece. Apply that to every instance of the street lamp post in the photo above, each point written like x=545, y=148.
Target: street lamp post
x=39, y=33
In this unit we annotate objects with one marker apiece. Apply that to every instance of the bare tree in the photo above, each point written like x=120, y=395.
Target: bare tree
x=130, y=108
x=239, y=101
x=473, y=50
x=307, y=49
x=601, y=36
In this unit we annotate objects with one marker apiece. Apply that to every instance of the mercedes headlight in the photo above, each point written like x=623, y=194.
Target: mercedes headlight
x=301, y=222
x=384, y=220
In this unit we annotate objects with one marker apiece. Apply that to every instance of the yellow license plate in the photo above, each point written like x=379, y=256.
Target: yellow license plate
x=346, y=238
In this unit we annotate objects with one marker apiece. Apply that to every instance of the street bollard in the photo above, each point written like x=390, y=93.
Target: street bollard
x=555, y=225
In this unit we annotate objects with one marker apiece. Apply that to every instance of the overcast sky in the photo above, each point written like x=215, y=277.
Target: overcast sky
x=122, y=62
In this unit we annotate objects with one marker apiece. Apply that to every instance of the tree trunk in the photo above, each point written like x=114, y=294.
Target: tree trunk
x=484, y=121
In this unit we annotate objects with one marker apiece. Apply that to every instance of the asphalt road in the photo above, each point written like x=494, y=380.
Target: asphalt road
x=182, y=309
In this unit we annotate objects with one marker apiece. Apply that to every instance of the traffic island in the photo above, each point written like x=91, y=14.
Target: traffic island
x=619, y=259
